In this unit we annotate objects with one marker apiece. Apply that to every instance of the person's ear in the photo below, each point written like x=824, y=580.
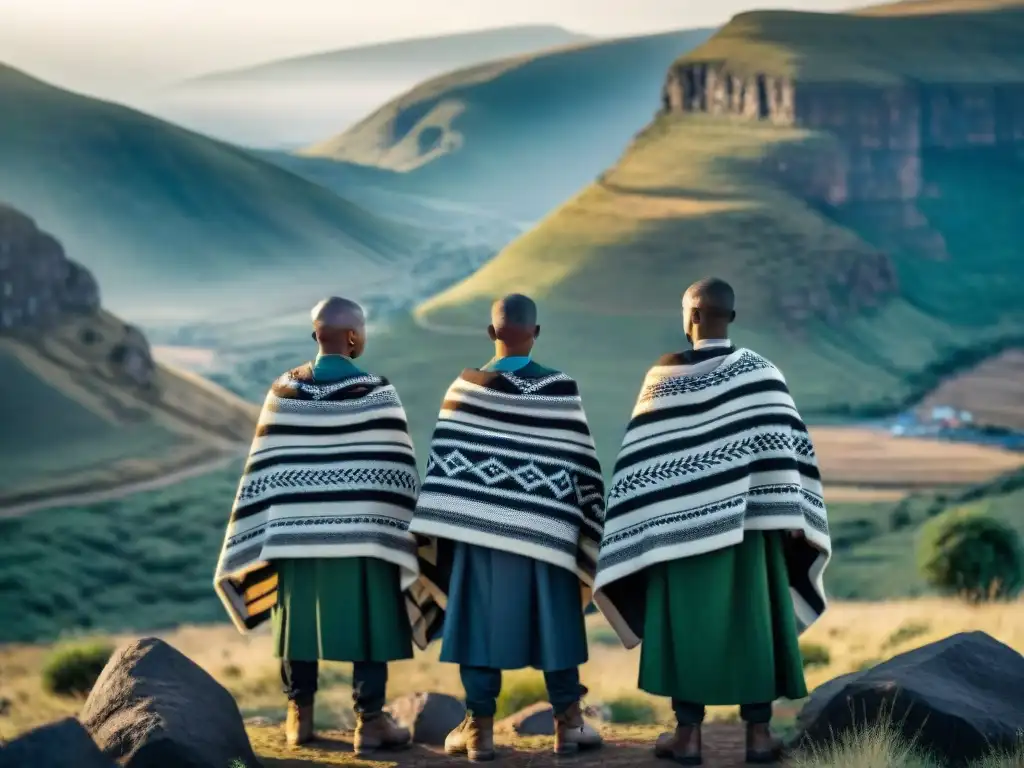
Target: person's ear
x=353, y=339
x=695, y=316
x=492, y=333
x=536, y=331
x=313, y=335
x=732, y=316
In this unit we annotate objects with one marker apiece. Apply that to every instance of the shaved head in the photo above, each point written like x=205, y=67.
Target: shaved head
x=339, y=327
x=339, y=313
x=514, y=310
x=513, y=325
x=709, y=305
x=711, y=294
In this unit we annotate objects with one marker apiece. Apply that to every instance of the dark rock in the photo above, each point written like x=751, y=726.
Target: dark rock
x=536, y=720
x=430, y=717
x=57, y=745
x=959, y=698
x=153, y=707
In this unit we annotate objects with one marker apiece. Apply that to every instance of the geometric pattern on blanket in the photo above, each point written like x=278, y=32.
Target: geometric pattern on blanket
x=331, y=473
x=705, y=457
x=512, y=466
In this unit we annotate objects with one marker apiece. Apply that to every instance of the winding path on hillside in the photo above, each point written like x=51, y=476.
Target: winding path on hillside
x=192, y=470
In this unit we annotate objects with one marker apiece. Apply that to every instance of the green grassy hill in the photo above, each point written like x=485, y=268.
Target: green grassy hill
x=154, y=210
x=917, y=42
x=413, y=57
x=522, y=134
x=288, y=104
x=82, y=428
x=860, y=323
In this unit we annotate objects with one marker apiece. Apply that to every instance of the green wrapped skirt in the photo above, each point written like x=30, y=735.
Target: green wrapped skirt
x=347, y=609
x=719, y=628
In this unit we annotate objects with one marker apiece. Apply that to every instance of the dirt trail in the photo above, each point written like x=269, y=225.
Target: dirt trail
x=200, y=468
x=624, y=748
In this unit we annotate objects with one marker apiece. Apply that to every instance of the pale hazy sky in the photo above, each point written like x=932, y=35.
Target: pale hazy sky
x=112, y=46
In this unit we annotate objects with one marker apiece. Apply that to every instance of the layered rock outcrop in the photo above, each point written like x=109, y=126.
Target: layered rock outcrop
x=40, y=287
x=38, y=283
x=880, y=131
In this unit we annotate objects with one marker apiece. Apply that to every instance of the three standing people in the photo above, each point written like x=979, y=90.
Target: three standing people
x=711, y=551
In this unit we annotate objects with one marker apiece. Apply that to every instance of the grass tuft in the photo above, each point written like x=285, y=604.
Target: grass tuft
x=519, y=691
x=815, y=655
x=73, y=670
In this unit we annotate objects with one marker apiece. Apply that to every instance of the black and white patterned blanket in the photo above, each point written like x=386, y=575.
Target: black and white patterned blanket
x=331, y=473
x=711, y=451
x=512, y=466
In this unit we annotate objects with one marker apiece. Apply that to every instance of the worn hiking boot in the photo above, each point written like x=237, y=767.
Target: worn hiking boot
x=474, y=738
x=298, y=726
x=573, y=733
x=681, y=745
x=762, y=747
x=379, y=731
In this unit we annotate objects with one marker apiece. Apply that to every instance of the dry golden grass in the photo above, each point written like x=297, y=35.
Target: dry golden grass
x=854, y=634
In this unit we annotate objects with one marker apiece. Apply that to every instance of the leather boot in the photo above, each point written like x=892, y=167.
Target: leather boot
x=573, y=733
x=298, y=726
x=474, y=738
x=762, y=747
x=379, y=731
x=682, y=745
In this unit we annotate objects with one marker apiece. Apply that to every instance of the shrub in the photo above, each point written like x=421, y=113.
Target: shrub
x=815, y=655
x=631, y=709
x=899, y=519
x=519, y=692
x=73, y=670
x=968, y=553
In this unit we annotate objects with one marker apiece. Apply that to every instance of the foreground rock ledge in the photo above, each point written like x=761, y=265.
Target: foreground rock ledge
x=959, y=698
x=153, y=707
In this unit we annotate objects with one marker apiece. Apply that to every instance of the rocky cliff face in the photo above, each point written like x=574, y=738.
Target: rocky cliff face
x=40, y=288
x=881, y=137
x=38, y=283
x=881, y=132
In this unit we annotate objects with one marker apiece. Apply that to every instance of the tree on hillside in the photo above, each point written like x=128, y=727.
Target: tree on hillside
x=966, y=552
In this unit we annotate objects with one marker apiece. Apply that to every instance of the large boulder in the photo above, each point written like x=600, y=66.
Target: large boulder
x=958, y=698
x=430, y=717
x=154, y=707
x=57, y=745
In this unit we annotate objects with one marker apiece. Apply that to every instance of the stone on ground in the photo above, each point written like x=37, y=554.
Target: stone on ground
x=56, y=745
x=153, y=707
x=430, y=717
x=535, y=720
x=958, y=698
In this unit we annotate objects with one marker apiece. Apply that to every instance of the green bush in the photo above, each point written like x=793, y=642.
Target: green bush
x=631, y=709
x=72, y=670
x=815, y=655
x=905, y=633
x=519, y=692
x=967, y=553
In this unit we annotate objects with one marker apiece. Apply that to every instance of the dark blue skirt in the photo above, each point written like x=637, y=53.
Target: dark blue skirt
x=506, y=611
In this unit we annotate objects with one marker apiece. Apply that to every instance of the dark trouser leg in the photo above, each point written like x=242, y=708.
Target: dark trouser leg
x=482, y=687
x=298, y=679
x=756, y=714
x=564, y=688
x=688, y=713
x=369, y=686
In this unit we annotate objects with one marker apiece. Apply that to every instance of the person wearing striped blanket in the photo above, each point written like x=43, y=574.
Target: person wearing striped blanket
x=318, y=540
x=513, y=498
x=716, y=535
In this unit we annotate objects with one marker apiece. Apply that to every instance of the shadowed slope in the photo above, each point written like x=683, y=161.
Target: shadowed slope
x=153, y=209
